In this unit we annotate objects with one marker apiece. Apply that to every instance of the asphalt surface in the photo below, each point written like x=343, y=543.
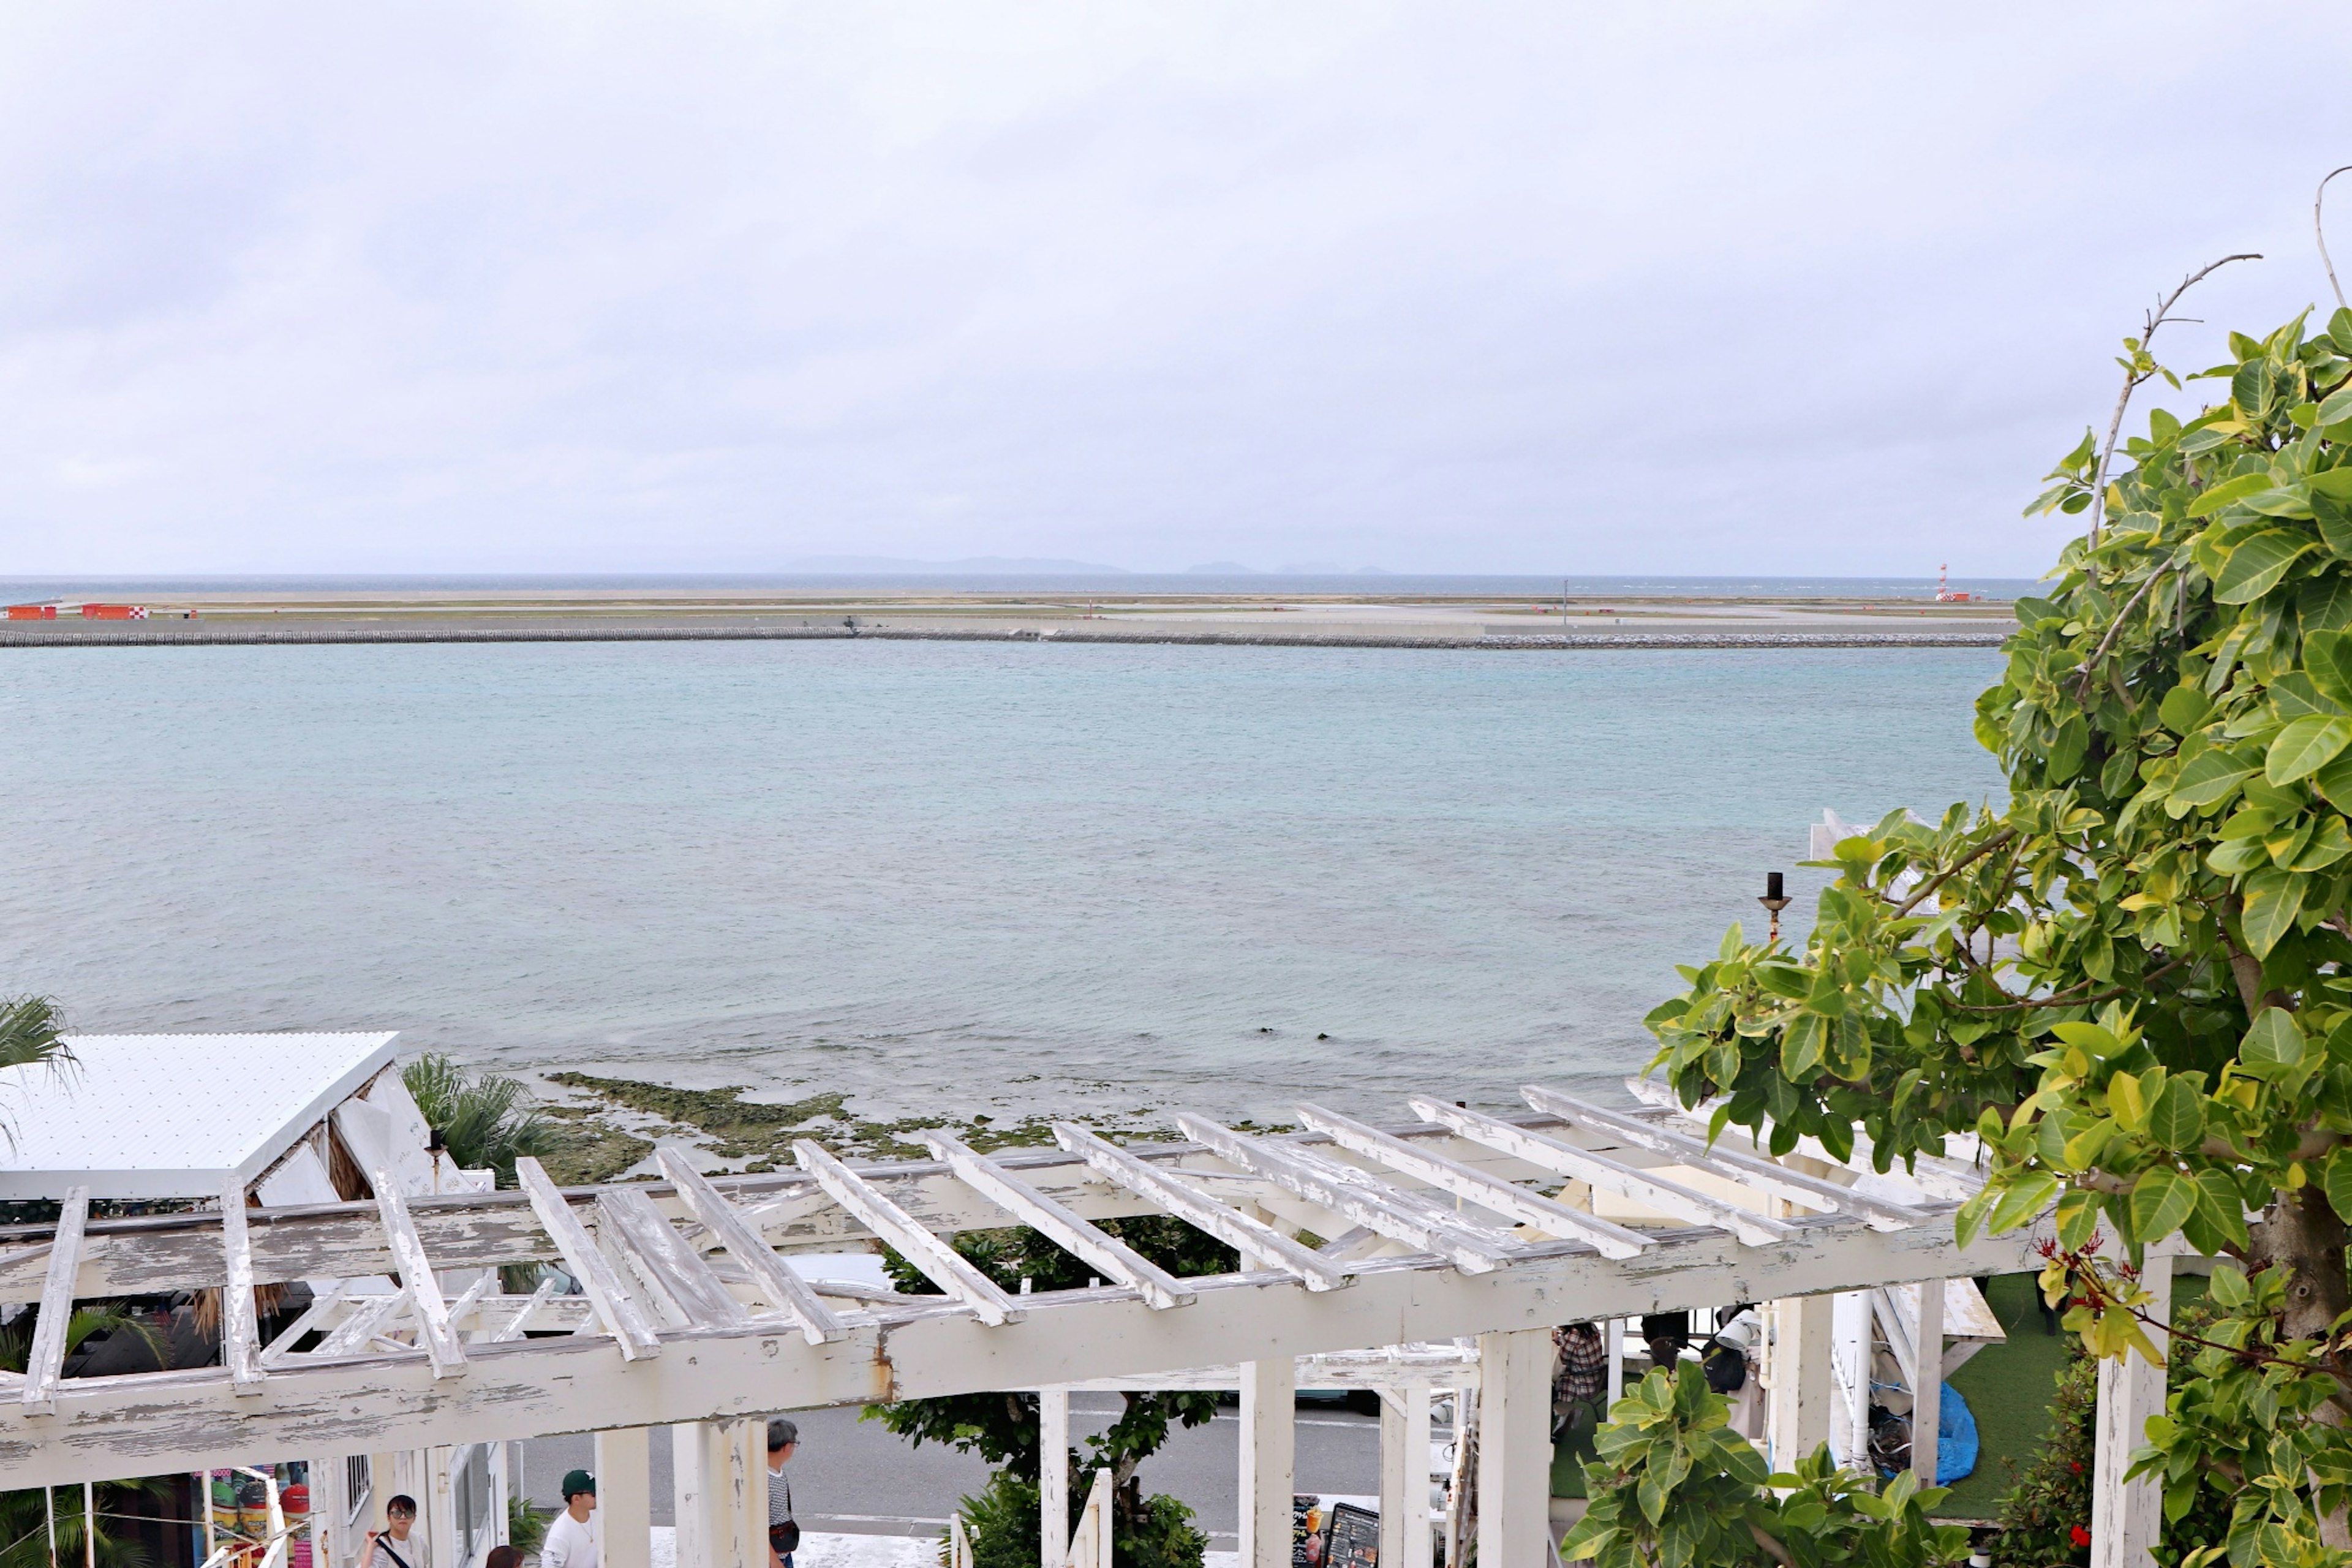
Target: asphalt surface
x=853, y=1476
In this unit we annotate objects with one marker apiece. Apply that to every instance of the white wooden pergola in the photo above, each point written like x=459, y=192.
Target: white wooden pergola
x=1439, y=1252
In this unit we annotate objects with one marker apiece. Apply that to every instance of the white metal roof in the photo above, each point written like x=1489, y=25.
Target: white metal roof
x=172, y=1116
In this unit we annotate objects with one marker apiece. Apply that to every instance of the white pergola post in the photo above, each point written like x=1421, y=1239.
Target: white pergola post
x=624, y=1497
x=1269, y=1449
x=2127, y=1519
x=1801, y=1387
x=716, y=1497
x=1054, y=1474
x=1404, y=1474
x=439, y=1506
x=1927, y=1381
x=1614, y=1337
x=1514, y=1445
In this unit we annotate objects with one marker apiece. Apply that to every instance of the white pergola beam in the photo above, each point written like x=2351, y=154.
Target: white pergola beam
x=110, y=1428
x=1647, y=1188
x=325, y=1304
x=366, y=1317
x=46, y=1364
x=240, y=1330
x=1059, y=1225
x=1749, y=1170
x=623, y=1318
x=662, y=1257
x=512, y=1329
x=1348, y=1193
x=769, y=1274
x=1250, y=1237
x=1491, y=1193
x=435, y=1334
x=940, y=1263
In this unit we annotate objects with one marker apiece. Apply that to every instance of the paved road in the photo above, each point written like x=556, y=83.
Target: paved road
x=853, y=1476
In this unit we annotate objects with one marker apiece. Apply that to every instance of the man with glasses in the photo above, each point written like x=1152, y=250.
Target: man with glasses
x=393, y=1547
x=571, y=1541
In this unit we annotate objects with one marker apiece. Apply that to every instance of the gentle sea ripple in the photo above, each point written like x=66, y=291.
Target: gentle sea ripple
x=941, y=876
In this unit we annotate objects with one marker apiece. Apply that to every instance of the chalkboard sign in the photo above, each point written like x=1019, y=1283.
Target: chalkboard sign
x=1355, y=1538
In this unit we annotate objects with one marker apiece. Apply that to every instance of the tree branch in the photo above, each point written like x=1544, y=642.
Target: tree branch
x=1928, y=887
x=2132, y=378
x=1779, y=1553
x=2319, y=233
x=2091, y=665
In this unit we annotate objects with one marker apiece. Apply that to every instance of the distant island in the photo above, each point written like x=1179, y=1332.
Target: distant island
x=969, y=566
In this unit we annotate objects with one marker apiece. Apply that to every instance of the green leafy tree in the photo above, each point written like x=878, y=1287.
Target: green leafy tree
x=30, y=1036
x=485, y=1120
x=2130, y=981
x=1004, y=1429
x=25, y=1514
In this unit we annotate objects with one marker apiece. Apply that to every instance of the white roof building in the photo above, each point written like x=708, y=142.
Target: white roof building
x=179, y=1116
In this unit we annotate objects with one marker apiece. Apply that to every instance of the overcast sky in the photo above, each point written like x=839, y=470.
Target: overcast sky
x=1435, y=287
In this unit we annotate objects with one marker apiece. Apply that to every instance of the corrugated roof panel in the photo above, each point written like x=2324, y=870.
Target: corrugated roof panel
x=173, y=1115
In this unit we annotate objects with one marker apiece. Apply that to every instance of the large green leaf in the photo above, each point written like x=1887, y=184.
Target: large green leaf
x=2334, y=519
x=2273, y=1042
x=2256, y=566
x=2224, y=1210
x=2028, y=1194
x=2335, y=1181
x=2184, y=709
x=2229, y=492
x=2336, y=407
x=2254, y=386
x=2211, y=778
x=2287, y=501
x=2160, y=1200
x=2177, y=1119
x=2304, y=747
x=2327, y=663
x=2272, y=898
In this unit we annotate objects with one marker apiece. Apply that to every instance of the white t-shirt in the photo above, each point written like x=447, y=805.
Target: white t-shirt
x=411, y=1550
x=570, y=1544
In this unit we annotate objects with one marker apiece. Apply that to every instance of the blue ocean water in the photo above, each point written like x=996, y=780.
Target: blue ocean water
x=941, y=876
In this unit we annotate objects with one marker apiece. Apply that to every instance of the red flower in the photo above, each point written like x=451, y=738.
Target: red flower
x=2075, y=1466
x=2076, y=1533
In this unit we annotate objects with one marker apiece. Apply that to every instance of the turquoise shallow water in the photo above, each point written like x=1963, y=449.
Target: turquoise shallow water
x=941, y=876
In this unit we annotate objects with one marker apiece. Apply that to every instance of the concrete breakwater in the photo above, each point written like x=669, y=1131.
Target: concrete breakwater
x=155, y=634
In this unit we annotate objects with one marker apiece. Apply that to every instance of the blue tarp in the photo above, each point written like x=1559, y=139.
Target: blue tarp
x=1956, y=1438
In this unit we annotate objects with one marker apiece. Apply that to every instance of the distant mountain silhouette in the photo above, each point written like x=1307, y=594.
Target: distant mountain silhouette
x=970, y=566
x=1222, y=569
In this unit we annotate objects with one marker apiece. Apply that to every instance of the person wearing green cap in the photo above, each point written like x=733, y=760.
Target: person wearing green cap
x=572, y=1540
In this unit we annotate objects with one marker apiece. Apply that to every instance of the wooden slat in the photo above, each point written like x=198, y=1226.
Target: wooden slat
x=619, y=1312
x=1644, y=1187
x=1752, y=1170
x=434, y=1335
x=367, y=1317
x=512, y=1329
x=662, y=1258
x=1250, y=1237
x=323, y=1307
x=941, y=1264
x=1357, y=1197
x=1072, y=1234
x=778, y=1285
x=48, y=1360
x=1488, y=1192
x=470, y=1300
x=240, y=1334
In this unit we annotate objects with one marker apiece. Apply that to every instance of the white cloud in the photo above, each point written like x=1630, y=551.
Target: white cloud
x=1495, y=289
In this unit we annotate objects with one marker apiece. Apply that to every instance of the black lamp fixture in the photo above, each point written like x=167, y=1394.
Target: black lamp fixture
x=1774, y=900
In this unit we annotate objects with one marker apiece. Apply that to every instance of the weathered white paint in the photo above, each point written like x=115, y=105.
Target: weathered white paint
x=1657, y=1192
x=1514, y=1445
x=1801, y=1386
x=769, y=1274
x=535, y=1387
x=623, y=1317
x=1065, y=1228
x=624, y=1496
x=2126, y=1521
x=434, y=1331
x=942, y=1264
x=1928, y=1381
x=1404, y=1474
x=1250, y=1236
x=1268, y=1462
x=1054, y=1473
x=1750, y=1170
x=660, y=1255
x=48, y=1350
x=1512, y=1202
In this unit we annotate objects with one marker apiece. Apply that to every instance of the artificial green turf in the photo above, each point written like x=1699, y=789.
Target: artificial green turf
x=2009, y=1388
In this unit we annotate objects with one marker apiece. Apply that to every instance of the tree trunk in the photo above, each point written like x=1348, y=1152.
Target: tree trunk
x=2302, y=1234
